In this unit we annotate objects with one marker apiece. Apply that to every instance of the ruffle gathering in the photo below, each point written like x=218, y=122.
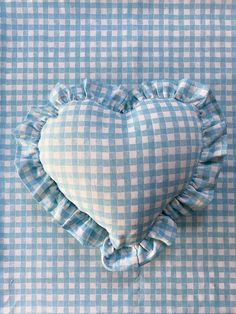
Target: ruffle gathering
x=197, y=194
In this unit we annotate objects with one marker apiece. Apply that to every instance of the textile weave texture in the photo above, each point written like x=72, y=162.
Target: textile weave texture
x=91, y=159
x=44, y=269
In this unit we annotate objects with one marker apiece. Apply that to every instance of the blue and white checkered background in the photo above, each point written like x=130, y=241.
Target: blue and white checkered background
x=42, y=268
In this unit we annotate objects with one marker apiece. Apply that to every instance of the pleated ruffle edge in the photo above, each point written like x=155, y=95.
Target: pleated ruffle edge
x=198, y=193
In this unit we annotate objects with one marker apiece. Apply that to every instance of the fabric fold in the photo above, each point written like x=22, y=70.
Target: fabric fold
x=42, y=187
x=162, y=234
x=111, y=96
x=197, y=194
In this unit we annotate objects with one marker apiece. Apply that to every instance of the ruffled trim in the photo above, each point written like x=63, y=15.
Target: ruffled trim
x=111, y=96
x=45, y=190
x=162, y=234
x=199, y=191
x=197, y=194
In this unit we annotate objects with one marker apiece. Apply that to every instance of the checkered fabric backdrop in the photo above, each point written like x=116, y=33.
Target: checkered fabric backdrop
x=42, y=268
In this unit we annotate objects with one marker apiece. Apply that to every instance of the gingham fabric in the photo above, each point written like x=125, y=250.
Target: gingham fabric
x=43, y=269
x=133, y=161
x=114, y=166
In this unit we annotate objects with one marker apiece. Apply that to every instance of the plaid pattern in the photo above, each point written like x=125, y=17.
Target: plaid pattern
x=42, y=269
x=117, y=169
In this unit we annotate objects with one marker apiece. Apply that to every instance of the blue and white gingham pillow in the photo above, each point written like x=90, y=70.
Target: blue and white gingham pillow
x=117, y=167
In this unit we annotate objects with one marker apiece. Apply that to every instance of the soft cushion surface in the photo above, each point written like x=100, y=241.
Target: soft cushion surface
x=122, y=168
x=115, y=167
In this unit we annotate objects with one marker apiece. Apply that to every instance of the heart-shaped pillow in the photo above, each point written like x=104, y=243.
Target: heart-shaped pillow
x=116, y=167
